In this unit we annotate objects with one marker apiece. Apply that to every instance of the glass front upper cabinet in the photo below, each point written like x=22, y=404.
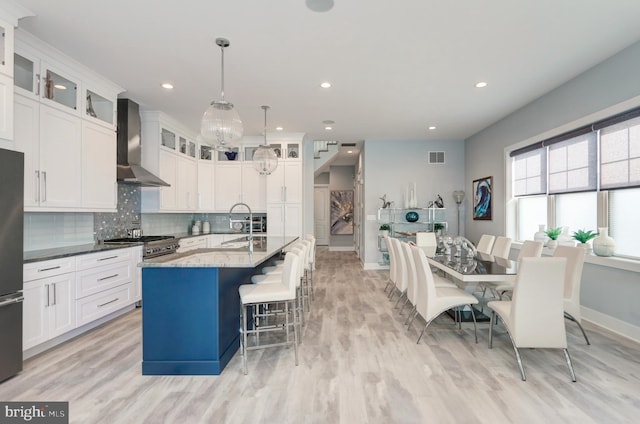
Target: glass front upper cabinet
x=25, y=74
x=99, y=107
x=60, y=89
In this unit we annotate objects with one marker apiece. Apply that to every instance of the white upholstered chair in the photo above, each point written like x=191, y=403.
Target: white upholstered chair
x=253, y=296
x=485, y=244
x=529, y=249
x=392, y=265
x=400, y=268
x=573, y=275
x=501, y=247
x=431, y=301
x=534, y=318
x=424, y=238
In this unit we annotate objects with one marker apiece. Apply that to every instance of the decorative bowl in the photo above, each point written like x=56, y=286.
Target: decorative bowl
x=412, y=216
x=231, y=155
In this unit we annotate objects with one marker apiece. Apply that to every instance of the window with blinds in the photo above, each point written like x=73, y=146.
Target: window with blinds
x=623, y=221
x=573, y=164
x=620, y=155
x=530, y=173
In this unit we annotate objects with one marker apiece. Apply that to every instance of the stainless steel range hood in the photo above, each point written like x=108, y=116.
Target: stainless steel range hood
x=129, y=148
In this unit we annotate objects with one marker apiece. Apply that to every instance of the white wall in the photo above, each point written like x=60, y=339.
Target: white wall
x=391, y=165
x=608, y=88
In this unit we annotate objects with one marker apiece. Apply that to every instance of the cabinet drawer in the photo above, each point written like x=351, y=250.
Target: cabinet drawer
x=37, y=270
x=192, y=243
x=104, y=258
x=94, y=280
x=92, y=307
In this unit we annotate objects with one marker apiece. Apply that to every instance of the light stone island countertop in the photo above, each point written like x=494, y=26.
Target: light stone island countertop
x=233, y=254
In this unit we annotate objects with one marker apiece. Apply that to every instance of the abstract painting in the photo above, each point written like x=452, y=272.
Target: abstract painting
x=482, y=198
x=341, y=212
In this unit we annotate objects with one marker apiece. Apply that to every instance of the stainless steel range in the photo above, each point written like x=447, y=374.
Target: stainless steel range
x=153, y=245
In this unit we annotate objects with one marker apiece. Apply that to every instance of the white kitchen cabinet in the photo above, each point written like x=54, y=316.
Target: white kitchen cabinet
x=284, y=199
x=227, y=185
x=51, y=142
x=206, y=188
x=60, y=158
x=99, y=187
x=105, y=283
x=48, y=309
x=69, y=164
x=6, y=107
x=6, y=48
x=169, y=152
x=284, y=219
x=254, y=188
x=186, y=184
x=285, y=183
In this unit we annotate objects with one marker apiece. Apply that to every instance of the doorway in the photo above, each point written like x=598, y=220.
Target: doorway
x=321, y=214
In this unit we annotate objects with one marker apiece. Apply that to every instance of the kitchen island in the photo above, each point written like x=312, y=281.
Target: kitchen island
x=191, y=306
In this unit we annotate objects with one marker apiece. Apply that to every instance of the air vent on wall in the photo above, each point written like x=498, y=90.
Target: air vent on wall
x=436, y=157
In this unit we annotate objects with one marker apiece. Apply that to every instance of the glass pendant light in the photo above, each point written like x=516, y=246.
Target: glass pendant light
x=265, y=160
x=221, y=126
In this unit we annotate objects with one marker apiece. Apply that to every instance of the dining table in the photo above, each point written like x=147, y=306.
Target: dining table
x=468, y=271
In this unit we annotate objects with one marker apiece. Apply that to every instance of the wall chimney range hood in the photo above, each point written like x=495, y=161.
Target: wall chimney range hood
x=129, y=148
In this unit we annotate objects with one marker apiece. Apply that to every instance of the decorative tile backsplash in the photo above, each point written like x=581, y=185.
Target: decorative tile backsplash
x=108, y=225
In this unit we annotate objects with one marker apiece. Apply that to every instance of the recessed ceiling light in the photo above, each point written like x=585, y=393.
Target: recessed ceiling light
x=325, y=84
x=328, y=128
x=319, y=5
x=481, y=84
x=349, y=151
x=279, y=128
x=432, y=127
x=167, y=86
x=60, y=86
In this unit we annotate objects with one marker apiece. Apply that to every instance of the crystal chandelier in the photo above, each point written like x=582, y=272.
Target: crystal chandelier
x=265, y=160
x=221, y=126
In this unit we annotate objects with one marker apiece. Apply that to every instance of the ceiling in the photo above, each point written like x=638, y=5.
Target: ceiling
x=395, y=68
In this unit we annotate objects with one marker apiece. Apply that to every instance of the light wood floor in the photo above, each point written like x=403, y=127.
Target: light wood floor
x=358, y=364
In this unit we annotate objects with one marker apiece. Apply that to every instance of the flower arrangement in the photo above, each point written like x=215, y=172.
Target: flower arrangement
x=584, y=236
x=553, y=233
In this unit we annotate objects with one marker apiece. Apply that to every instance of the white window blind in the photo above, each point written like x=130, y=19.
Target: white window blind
x=573, y=164
x=623, y=221
x=530, y=173
x=620, y=155
x=532, y=212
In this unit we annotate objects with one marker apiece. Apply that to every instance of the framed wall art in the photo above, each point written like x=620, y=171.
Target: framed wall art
x=482, y=198
x=341, y=212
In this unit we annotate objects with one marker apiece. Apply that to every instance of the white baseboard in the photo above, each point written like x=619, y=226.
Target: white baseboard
x=342, y=248
x=612, y=324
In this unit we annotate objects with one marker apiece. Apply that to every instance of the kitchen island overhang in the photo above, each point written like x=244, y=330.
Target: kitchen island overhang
x=191, y=306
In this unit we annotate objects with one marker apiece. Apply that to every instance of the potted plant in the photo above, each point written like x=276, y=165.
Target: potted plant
x=553, y=234
x=583, y=237
x=438, y=227
x=384, y=230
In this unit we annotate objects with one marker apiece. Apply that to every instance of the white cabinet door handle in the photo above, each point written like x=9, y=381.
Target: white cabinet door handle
x=44, y=191
x=46, y=286
x=37, y=193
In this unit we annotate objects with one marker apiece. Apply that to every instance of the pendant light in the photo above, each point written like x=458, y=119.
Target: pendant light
x=221, y=126
x=265, y=160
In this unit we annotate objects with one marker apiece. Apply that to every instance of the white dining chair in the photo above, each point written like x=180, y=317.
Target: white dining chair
x=501, y=247
x=432, y=301
x=485, y=244
x=529, y=249
x=573, y=276
x=400, y=268
x=392, y=265
x=534, y=318
x=424, y=239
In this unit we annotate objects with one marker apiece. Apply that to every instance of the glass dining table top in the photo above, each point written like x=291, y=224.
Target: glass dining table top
x=482, y=267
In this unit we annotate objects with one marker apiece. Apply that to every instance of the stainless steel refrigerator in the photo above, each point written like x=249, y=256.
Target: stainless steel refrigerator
x=11, y=246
